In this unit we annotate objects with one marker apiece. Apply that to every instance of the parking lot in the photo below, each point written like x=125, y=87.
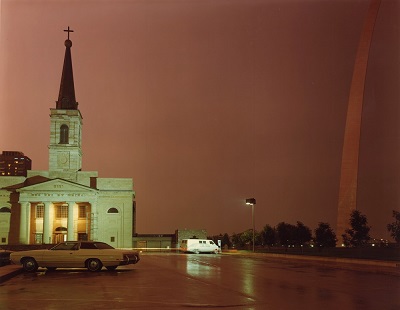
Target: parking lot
x=171, y=280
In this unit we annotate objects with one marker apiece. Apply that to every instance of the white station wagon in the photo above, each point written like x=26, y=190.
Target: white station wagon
x=92, y=255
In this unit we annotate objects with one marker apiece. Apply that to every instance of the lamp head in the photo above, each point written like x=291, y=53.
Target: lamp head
x=250, y=201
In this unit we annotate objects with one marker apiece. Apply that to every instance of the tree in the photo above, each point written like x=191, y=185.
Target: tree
x=237, y=241
x=358, y=234
x=257, y=238
x=226, y=241
x=302, y=234
x=325, y=236
x=245, y=238
x=242, y=239
x=268, y=236
x=286, y=233
x=394, y=228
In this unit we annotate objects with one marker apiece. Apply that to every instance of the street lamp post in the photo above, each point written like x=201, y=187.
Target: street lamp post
x=252, y=202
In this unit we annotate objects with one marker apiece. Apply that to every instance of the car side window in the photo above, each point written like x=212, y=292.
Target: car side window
x=66, y=246
x=88, y=246
x=102, y=246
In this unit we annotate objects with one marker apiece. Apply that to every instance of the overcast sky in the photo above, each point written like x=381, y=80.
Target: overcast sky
x=207, y=102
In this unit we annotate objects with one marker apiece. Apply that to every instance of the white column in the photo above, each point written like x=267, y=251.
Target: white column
x=24, y=223
x=28, y=227
x=93, y=220
x=70, y=223
x=46, y=223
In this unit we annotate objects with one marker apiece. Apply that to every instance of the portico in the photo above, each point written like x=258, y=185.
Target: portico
x=49, y=216
x=52, y=222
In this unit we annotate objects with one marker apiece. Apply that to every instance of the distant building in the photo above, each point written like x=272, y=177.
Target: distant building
x=189, y=234
x=14, y=163
x=154, y=242
x=66, y=203
x=160, y=242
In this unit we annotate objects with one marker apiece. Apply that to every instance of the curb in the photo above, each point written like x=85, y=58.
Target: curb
x=9, y=271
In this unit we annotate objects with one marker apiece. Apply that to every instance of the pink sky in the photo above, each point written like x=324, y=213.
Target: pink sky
x=207, y=102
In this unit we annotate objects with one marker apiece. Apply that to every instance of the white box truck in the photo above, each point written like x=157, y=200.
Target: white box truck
x=199, y=246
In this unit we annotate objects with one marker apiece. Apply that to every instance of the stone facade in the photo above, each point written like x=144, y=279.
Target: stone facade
x=47, y=210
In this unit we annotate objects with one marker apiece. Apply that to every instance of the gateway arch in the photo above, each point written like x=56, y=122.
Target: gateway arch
x=351, y=144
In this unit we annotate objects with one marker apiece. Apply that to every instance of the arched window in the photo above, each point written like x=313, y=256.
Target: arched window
x=5, y=210
x=112, y=210
x=64, y=134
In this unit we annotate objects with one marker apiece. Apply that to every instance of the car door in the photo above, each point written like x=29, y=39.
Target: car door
x=64, y=255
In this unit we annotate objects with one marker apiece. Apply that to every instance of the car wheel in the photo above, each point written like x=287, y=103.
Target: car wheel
x=29, y=264
x=93, y=264
x=111, y=268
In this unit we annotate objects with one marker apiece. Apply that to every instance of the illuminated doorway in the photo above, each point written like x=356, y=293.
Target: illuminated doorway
x=60, y=234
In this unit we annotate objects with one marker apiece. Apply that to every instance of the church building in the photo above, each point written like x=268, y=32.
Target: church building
x=66, y=203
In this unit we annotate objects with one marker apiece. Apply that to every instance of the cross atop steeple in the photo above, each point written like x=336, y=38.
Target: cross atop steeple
x=66, y=97
x=67, y=30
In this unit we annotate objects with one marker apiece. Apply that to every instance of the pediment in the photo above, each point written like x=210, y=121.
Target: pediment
x=56, y=185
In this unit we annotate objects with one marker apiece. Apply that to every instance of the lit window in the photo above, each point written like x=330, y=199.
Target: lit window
x=39, y=211
x=39, y=238
x=82, y=211
x=62, y=211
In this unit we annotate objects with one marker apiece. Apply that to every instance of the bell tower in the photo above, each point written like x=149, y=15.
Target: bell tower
x=65, y=148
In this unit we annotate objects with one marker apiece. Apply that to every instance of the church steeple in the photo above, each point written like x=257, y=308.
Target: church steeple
x=66, y=97
x=65, y=149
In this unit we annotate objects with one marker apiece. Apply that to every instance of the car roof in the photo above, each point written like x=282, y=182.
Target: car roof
x=75, y=241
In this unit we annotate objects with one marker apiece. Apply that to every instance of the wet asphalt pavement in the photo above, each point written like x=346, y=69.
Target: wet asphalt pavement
x=175, y=281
